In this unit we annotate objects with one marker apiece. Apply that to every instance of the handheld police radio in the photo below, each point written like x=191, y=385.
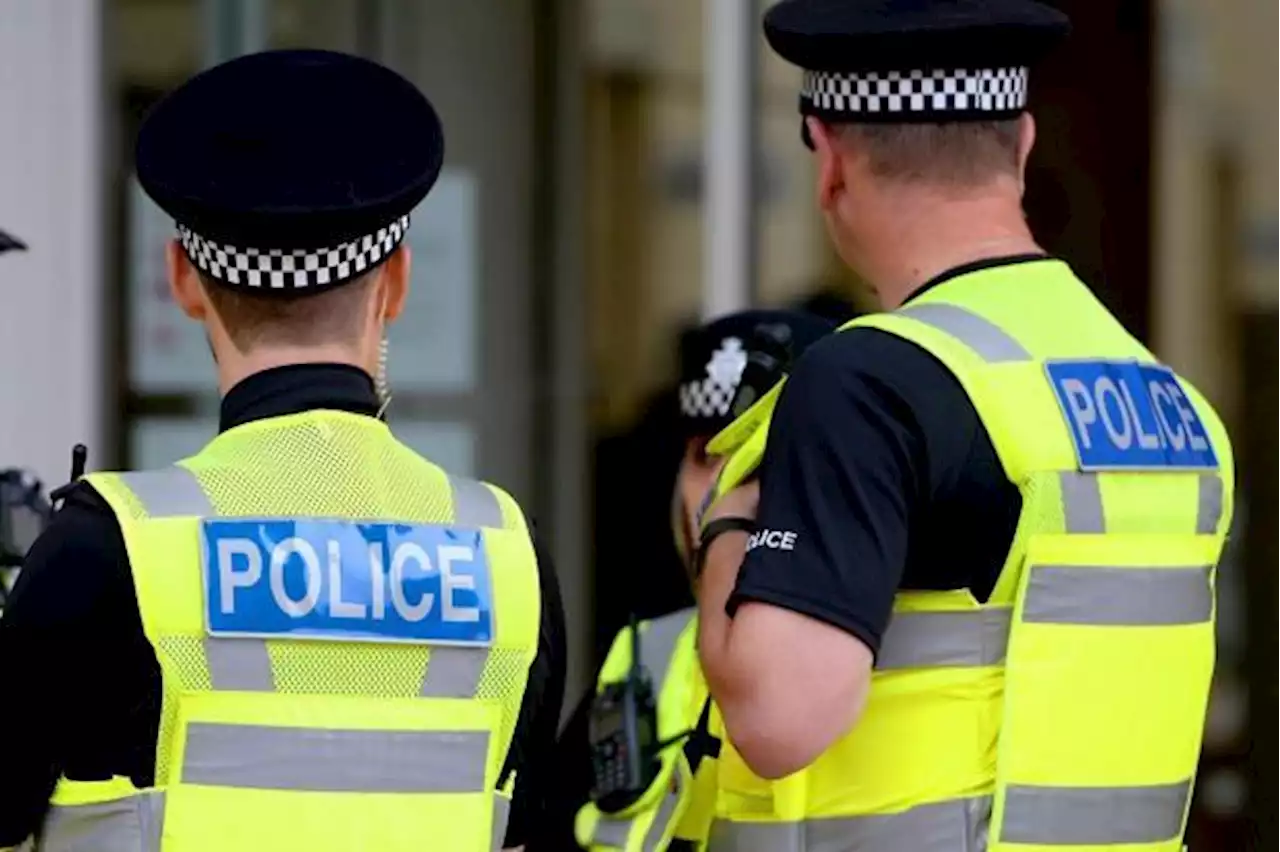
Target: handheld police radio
x=623, y=730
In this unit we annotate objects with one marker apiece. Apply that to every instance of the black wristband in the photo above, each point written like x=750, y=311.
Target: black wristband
x=712, y=531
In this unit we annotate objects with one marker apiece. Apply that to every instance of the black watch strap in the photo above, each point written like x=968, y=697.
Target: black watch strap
x=712, y=531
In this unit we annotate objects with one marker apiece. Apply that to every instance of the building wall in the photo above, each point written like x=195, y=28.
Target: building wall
x=1214, y=318
x=50, y=197
x=645, y=86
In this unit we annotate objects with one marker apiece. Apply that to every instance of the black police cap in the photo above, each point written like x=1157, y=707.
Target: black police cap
x=913, y=61
x=291, y=171
x=713, y=357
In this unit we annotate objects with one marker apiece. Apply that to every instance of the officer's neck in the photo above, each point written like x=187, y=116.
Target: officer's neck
x=235, y=367
x=917, y=235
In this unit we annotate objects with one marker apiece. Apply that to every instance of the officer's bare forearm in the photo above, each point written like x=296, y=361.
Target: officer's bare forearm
x=719, y=574
x=736, y=676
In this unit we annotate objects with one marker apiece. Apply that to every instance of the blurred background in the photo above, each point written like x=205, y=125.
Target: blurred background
x=617, y=169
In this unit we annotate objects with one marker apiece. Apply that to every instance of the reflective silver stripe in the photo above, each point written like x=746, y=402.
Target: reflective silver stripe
x=981, y=335
x=923, y=639
x=935, y=827
x=757, y=837
x=135, y=824
x=335, y=761
x=615, y=832
x=474, y=504
x=176, y=492
x=1209, y=511
x=658, y=642
x=611, y=832
x=501, y=813
x=1076, y=816
x=1097, y=595
x=170, y=492
x=453, y=672
x=666, y=812
x=239, y=665
x=1082, y=502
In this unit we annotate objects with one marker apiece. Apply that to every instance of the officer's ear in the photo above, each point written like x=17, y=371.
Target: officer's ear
x=184, y=282
x=395, y=283
x=1026, y=141
x=830, y=172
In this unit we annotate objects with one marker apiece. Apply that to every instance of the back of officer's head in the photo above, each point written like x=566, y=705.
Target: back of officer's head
x=291, y=214
x=914, y=106
x=954, y=159
x=347, y=320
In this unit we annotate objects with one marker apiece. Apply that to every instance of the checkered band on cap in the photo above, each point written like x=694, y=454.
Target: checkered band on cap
x=706, y=398
x=994, y=90
x=712, y=395
x=291, y=269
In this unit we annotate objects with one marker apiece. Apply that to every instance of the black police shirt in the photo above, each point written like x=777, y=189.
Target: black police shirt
x=80, y=686
x=878, y=476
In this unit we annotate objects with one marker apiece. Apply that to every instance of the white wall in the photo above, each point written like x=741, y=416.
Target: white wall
x=50, y=196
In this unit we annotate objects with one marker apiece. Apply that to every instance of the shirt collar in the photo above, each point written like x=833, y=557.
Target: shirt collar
x=974, y=266
x=295, y=388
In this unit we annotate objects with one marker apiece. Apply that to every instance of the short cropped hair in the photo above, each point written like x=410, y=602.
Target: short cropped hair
x=330, y=316
x=957, y=154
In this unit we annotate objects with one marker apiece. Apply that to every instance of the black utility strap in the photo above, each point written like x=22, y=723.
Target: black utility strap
x=701, y=744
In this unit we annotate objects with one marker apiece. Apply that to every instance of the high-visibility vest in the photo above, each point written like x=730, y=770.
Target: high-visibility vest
x=1065, y=713
x=288, y=740
x=677, y=809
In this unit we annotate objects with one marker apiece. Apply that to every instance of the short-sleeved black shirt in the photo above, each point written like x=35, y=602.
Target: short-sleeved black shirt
x=879, y=464
x=80, y=685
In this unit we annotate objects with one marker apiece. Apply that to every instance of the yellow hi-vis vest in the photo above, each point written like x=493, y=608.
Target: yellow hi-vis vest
x=317, y=717
x=1065, y=713
x=677, y=809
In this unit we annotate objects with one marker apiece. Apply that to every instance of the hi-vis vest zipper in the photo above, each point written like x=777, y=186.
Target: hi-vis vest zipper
x=1065, y=713
x=344, y=633
x=676, y=811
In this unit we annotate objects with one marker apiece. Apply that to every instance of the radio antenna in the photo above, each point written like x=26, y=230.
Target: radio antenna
x=79, y=455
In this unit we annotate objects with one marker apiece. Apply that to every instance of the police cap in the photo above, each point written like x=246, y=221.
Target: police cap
x=290, y=171
x=913, y=61
x=713, y=357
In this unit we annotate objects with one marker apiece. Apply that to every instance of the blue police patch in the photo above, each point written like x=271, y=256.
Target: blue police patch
x=340, y=580
x=1123, y=415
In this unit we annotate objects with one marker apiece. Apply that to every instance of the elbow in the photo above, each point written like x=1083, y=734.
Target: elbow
x=770, y=759
x=775, y=745
x=775, y=742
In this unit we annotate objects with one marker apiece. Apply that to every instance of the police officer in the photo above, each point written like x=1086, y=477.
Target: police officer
x=974, y=610
x=306, y=636
x=713, y=359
